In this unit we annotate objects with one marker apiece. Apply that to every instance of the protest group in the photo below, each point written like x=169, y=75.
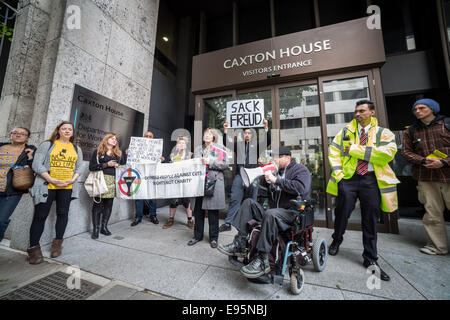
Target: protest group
x=193, y=176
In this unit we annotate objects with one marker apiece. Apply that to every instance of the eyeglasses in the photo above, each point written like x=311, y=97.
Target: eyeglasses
x=247, y=133
x=19, y=134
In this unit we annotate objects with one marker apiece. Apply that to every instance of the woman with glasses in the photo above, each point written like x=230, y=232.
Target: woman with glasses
x=14, y=154
x=214, y=169
x=57, y=163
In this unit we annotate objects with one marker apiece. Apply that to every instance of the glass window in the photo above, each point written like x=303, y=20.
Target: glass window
x=343, y=109
x=304, y=142
x=215, y=112
x=329, y=96
x=312, y=100
x=331, y=118
x=398, y=24
x=348, y=116
x=331, y=11
x=254, y=21
x=293, y=16
x=219, y=32
x=313, y=121
x=354, y=94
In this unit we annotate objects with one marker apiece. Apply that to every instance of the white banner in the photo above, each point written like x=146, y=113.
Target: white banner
x=144, y=150
x=184, y=179
x=245, y=113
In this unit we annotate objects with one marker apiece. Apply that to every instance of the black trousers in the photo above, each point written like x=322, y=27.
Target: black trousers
x=365, y=188
x=213, y=220
x=273, y=221
x=42, y=210
x=104, y=206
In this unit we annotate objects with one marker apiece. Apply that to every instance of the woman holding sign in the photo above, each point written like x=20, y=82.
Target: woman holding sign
x=57, y=163
x=180, y=153
x=107, y=157
x=216, y=161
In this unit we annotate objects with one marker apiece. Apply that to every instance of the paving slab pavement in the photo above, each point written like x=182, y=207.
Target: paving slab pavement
x=148, y=258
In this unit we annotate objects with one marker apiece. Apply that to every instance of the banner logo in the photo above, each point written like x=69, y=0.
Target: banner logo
x=131, y=180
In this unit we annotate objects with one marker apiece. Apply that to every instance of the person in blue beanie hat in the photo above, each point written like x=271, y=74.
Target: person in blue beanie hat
x=430, y=103
x=426, y=144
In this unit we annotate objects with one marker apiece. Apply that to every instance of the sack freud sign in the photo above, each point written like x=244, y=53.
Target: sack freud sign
x=324, y=50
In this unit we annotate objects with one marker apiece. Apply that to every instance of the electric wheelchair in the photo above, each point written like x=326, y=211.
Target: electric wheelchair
x=293, y=249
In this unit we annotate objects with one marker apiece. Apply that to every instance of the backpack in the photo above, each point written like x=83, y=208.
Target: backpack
x=412, y=127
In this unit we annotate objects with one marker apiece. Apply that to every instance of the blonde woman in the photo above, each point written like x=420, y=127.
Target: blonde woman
x=179, y=153
x=107, y=157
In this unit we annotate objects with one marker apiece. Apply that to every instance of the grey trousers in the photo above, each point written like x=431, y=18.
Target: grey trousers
x=273, y=221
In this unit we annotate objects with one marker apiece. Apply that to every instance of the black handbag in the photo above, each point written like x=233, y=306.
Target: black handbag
x=210, y=184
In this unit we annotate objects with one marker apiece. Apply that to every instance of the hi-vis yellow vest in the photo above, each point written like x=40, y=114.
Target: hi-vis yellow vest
x=379, y=151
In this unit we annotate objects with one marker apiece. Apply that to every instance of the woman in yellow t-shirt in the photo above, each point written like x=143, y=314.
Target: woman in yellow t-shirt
x=57, y=164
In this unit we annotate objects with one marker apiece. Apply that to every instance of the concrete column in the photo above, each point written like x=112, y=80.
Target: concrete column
x=112, y=54
x=24, y=63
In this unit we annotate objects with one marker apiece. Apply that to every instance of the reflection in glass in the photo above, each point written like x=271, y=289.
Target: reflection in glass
x=340, y=111
x=215, y=112
x=300, y=132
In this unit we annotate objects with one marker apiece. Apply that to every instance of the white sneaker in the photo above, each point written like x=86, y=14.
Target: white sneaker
x=427, y=251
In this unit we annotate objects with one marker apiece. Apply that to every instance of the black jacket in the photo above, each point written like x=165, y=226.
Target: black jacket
x=297, y=181
x=253, y=151
x=102, y=160
x=22, y=160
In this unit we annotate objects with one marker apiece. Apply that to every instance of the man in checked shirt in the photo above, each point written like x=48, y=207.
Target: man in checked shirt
x=430, y=133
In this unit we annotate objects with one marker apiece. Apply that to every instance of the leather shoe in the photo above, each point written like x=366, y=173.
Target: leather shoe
x=213, y=244
x=136, y=222
x=192, y=242
x=225, y=227
x=154, y=220
x=383, y=275
x=334, y=248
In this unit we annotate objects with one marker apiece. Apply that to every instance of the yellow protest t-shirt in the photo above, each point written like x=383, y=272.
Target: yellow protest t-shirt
x=62, y=163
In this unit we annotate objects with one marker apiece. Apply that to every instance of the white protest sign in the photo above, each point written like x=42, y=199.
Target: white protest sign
x=184, y=179
x=245, y=113
x=144, y=150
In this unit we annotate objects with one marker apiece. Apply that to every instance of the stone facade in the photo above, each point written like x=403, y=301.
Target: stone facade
x=112, y=54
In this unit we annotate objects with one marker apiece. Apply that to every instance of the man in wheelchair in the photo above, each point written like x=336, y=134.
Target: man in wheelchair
x=292, y=180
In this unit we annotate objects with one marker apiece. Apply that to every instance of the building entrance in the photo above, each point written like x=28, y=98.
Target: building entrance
x=305, y=116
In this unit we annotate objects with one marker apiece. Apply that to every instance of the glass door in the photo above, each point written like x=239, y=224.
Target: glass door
x=212, y=113
x=339, y=95
x=300, y=131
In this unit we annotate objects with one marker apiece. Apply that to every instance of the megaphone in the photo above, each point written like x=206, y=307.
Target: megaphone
x=249, y=175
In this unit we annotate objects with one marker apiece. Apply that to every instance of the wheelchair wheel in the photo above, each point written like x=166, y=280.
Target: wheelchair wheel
x=319, y=254
x=297, y=281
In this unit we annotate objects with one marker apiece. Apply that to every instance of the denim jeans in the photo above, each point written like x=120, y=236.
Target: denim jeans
x=7, y=206
x=140, y=208
x=238, y=192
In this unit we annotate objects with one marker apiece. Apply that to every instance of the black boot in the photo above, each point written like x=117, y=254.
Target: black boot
x=105, y=218
x=236, y=248
x=95, y=224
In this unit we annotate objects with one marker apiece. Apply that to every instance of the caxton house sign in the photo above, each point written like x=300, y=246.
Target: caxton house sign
x=94, y=116
x=343, y=46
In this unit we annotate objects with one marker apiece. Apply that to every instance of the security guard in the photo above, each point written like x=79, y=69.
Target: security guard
x=359, y=157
